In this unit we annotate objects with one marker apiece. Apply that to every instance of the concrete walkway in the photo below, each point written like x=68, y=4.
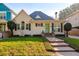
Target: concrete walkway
x=61, y=48
x=77, y=37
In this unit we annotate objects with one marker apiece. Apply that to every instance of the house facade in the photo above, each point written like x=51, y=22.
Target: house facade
x=27, y=25
x=74, y=20
x=5, y=15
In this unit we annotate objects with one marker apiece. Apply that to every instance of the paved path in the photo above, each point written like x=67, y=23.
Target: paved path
x=77, y=37
x=61, y=48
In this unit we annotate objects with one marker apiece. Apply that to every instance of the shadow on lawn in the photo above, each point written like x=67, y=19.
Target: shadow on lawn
x=28, y=38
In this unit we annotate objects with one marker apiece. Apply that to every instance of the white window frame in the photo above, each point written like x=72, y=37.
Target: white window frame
x=3, y=12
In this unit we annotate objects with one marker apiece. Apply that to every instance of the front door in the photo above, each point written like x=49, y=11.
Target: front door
x=47, y=28
x=52, y=27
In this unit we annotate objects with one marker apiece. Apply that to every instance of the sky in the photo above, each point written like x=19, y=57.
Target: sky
x=47, y=8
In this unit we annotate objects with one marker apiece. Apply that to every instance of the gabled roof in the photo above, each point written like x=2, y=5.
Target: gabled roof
x=21, y=13
x=38, y=15
x=72, y=14
x=3, y=7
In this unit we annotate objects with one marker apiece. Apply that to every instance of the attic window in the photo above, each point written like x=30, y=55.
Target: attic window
x=37, y=16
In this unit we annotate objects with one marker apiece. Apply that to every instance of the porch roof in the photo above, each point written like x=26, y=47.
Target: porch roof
x=2, y=21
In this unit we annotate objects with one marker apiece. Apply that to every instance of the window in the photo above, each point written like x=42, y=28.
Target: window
x=2, y=15
x=27, y=26
x=40, y=25
x=18, y=26
x=36, y=24
x=22, y=25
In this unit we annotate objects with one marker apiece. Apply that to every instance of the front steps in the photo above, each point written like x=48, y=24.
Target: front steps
x=56, y=41
x=58, y=44
x=48, y=34
x=61, y=48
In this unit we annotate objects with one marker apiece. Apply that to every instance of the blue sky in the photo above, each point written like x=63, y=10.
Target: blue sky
x=47, y=8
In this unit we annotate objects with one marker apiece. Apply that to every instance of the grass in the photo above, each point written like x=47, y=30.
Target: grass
x=73, y=42
x=25, y=46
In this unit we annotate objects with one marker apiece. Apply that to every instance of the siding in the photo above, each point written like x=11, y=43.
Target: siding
x=4, y=8
x=74, y=20
x=8, y=16
x=74, y=32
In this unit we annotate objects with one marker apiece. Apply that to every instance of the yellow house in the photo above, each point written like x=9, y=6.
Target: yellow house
x=27, y=25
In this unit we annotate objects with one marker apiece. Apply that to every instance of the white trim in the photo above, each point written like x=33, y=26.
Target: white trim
x=4, y=13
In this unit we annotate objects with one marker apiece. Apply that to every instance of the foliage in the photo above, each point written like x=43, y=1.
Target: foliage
x=73, y=42
x=11, y=25
x=24, y=46
x=67, y=27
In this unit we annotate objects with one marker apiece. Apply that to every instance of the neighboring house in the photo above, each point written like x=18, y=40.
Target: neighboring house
x=74, y=20
x=34, y=24
x=5, y=15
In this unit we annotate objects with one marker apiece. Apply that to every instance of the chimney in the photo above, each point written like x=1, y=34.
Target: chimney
x=55, y=15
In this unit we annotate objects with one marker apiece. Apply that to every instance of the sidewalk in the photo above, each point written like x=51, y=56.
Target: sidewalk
x=77, y=37
x=61, y=48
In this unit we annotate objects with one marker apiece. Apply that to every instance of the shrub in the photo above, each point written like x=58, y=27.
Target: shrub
x=67, y=27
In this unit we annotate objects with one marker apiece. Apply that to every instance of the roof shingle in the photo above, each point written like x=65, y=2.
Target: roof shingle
x=41, y=16
x=3, y=7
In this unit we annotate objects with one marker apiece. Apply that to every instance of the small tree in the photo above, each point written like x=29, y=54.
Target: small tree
x=67, y=28
x=11, y=25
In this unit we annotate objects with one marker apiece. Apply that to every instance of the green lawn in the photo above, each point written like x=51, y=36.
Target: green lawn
x=25, y=46
x=73, y=42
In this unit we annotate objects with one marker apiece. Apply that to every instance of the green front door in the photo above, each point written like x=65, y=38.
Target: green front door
x=47, y=28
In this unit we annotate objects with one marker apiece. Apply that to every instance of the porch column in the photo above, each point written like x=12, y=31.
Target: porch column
x=4, y=27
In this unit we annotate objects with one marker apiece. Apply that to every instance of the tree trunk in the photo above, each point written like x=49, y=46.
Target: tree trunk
x=2, y=34
x=66, y=33
x=12, y=32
